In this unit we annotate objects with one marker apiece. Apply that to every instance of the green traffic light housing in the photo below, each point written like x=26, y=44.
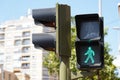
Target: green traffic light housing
x=90, y=41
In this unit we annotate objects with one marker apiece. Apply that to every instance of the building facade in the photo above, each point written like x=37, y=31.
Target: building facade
x=17, y=53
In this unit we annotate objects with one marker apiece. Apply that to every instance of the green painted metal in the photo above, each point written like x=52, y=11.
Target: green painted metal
x=64, y=69
x=63, y=30
x=75, y=76
x=63, y=39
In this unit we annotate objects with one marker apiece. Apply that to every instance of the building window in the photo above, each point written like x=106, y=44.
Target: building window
x=1, y=53
x=50, y=29
x=2, y=29
x=25, y=58
x=17, y=50
x=1, y=57
x=2, y=43
x=26, y=34
x=8, y=58
x=17, y=42
x=26, y=41
x=2, y=36
x=25, y=49
x=11, y=25
x=25, y=65
x=45, y=72
x=19, y=27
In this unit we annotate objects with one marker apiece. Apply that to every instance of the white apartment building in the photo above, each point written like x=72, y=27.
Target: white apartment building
x=17, y=53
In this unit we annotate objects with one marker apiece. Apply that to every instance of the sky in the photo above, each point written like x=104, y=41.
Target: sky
x=13, y=9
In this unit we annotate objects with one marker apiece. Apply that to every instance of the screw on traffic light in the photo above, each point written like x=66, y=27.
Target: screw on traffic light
x=90, y=41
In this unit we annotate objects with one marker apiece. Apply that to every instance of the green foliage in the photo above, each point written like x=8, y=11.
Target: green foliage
x=73, y=55
x=105, y=31
x=51, y=62
x=107, y=73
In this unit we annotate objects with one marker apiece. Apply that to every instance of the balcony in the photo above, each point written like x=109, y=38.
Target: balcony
x=26, y=34
x=2, y=30
x=2, y=43
x=26, y=49
x=2, y=36
x=25, y=58
x=26, y=41
x=25, y=66
x=17, y=69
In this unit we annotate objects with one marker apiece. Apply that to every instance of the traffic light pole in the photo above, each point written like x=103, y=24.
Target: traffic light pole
x=64, y=68
x=63, y=39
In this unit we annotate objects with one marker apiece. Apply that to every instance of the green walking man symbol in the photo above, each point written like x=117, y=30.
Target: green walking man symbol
x=90, y=54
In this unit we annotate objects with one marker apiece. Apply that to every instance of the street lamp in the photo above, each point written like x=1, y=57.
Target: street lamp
x=116, y=61
x=100, y=8
x=119, y=15
x=119, y=9
x=118, y=28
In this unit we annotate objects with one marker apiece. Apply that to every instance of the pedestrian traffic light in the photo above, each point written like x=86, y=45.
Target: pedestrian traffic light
x=90, y=41
x=59, y=19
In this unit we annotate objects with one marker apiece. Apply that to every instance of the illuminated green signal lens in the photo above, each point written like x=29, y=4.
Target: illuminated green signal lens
x=90, y=55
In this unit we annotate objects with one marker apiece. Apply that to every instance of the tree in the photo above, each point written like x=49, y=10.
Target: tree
x=73, y=55
x=51, y=62
x=107, y=73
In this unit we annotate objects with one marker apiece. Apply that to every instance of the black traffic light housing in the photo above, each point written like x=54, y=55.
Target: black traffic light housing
x=47, y=17
x=85, y=22
x=44, y=40
x=90, y=41
x=59, y=39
